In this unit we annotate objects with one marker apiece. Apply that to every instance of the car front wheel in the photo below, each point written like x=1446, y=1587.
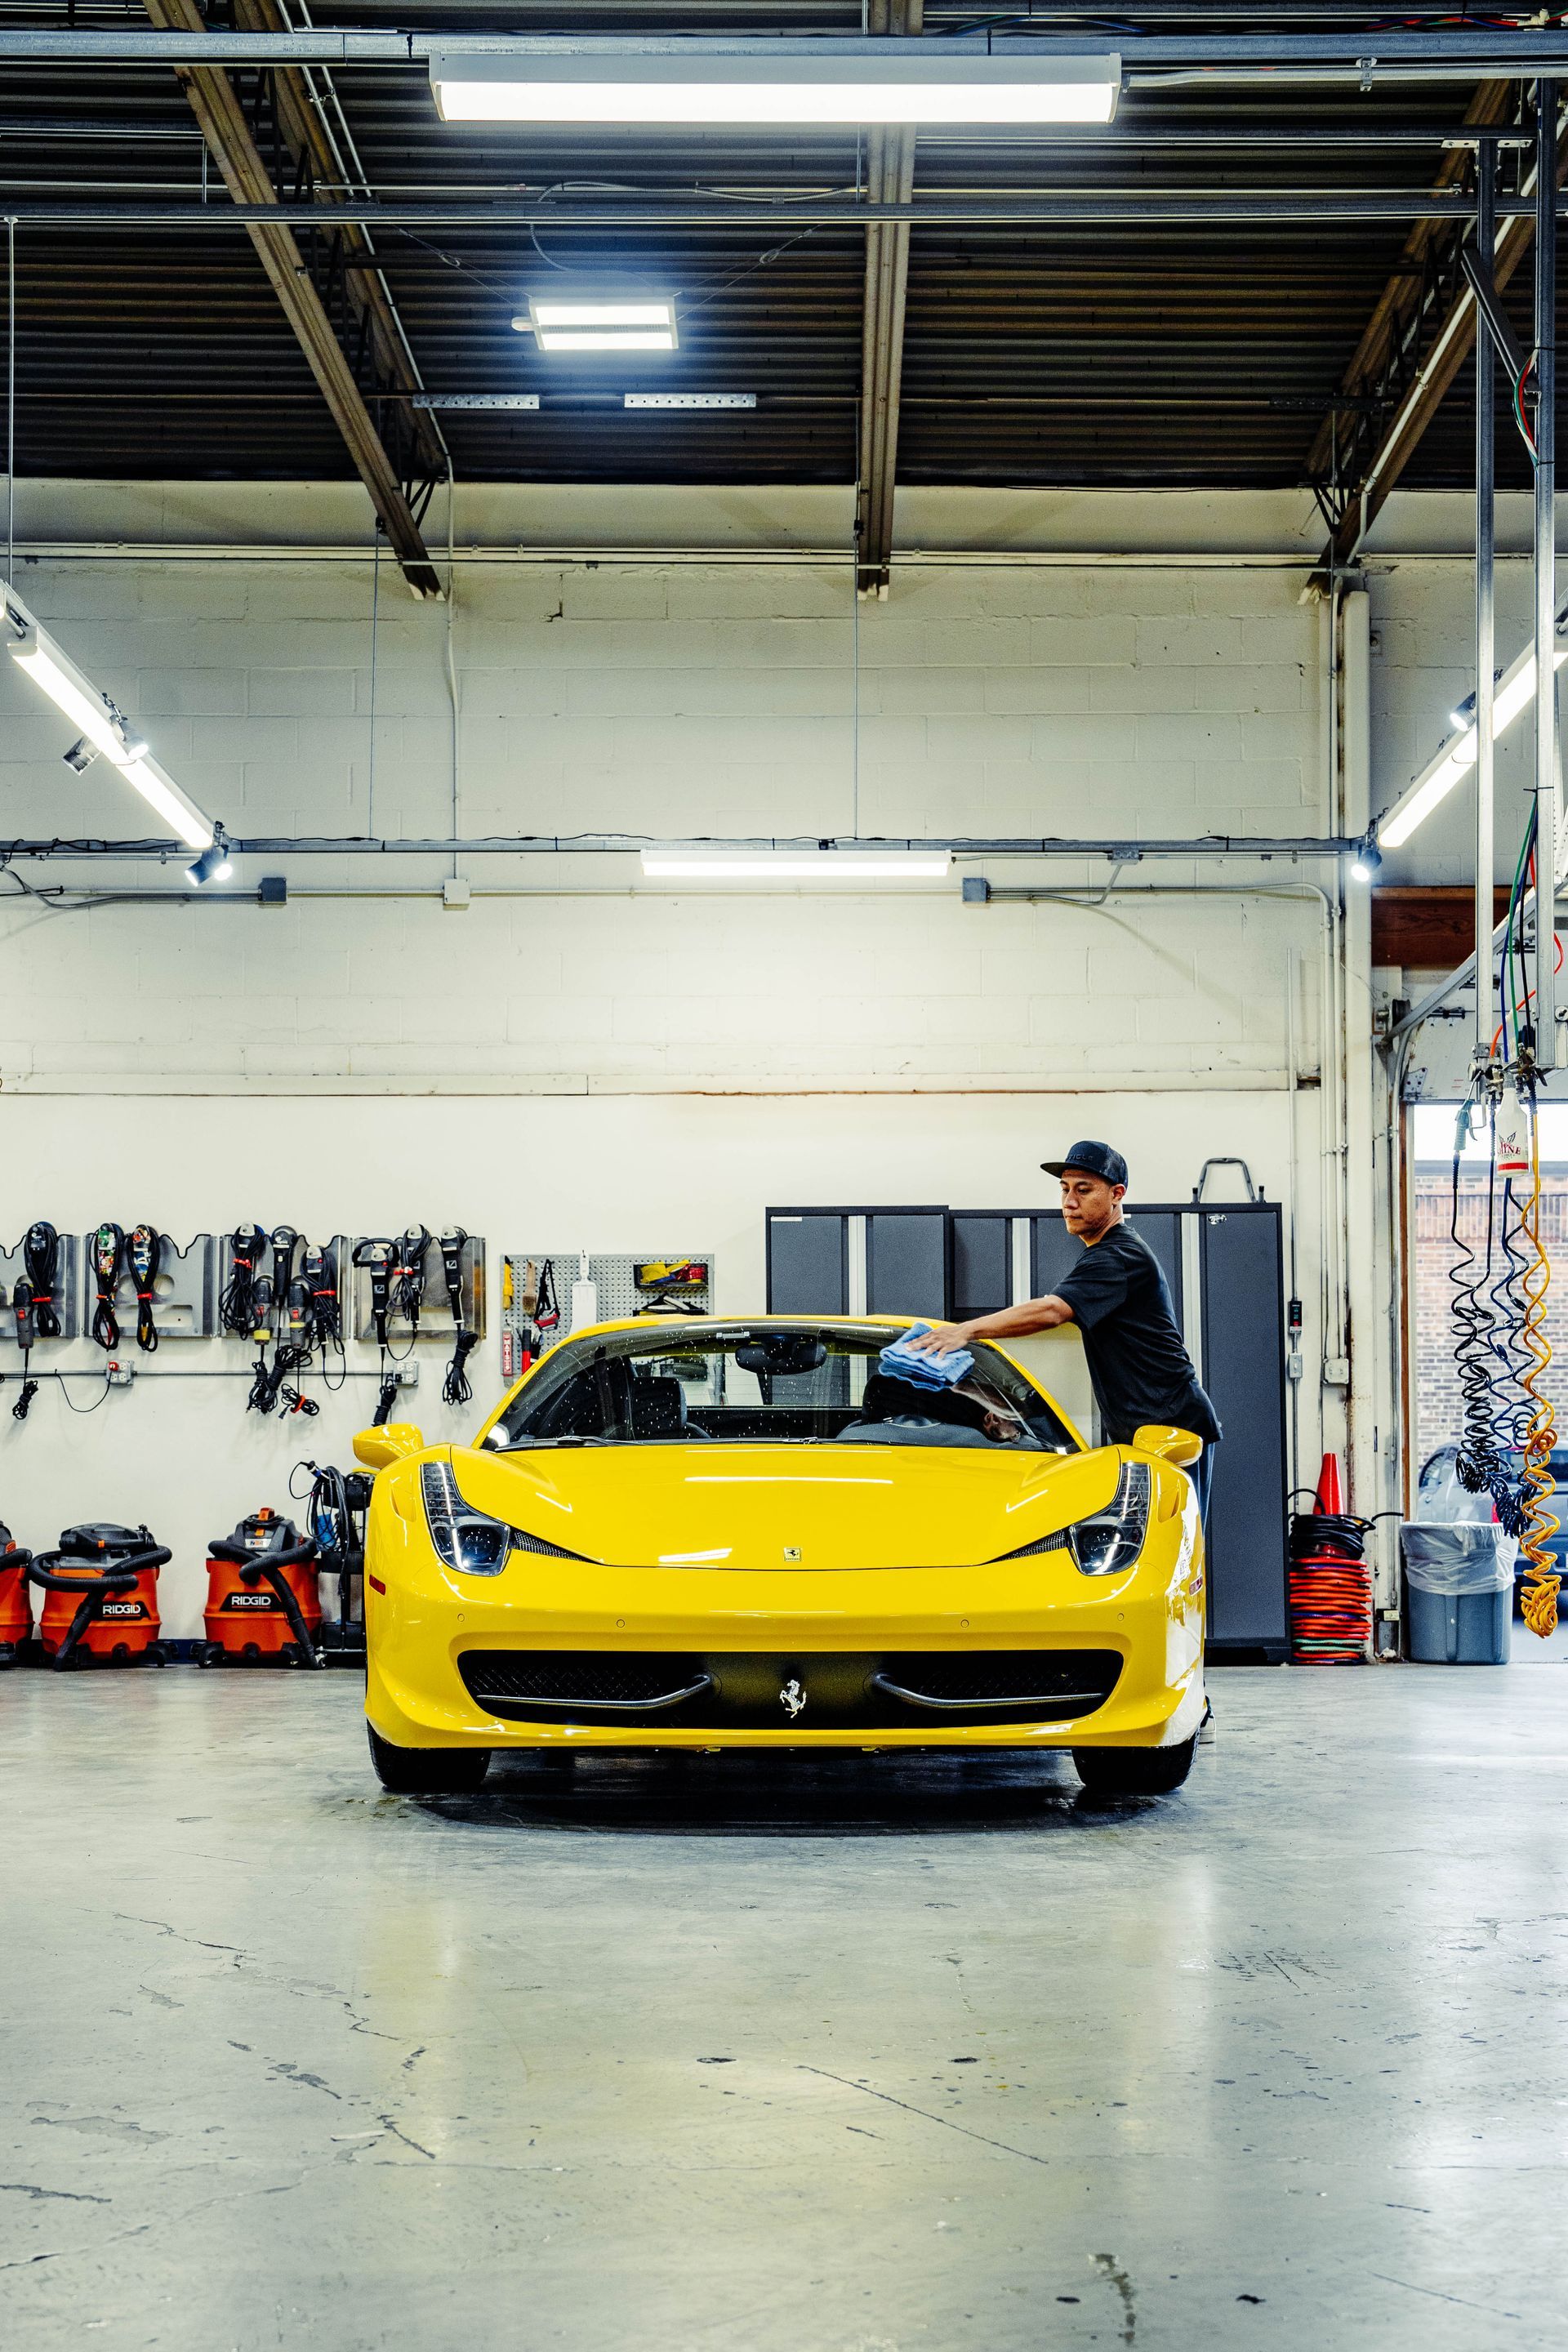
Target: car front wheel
x=1134, y=1771
x=428, y=1771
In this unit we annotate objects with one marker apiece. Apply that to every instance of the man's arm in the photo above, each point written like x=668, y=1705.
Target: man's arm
x=1008, y=1323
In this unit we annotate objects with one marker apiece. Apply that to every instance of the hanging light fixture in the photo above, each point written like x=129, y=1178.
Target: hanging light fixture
x=786, y=84
x=102, y=730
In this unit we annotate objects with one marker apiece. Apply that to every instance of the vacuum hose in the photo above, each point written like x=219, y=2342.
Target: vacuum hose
x=267, y=1568
x=95, y=1585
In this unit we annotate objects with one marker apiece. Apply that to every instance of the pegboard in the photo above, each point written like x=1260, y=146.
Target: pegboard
x=435, y=1321
x=68, y=1289
x=614, y=1278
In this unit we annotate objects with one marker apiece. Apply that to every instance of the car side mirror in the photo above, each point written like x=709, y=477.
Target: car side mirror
x=1179, y=1447
x=378, y=1449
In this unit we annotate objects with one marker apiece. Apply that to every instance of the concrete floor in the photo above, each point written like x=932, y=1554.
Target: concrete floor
x=797, y=2056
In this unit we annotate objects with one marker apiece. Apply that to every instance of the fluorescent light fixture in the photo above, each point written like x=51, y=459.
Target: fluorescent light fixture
x=782, y=83
x=600, y=323
x=1515, y=693
x=98, y=722
x=797, y=865
x=690, y=399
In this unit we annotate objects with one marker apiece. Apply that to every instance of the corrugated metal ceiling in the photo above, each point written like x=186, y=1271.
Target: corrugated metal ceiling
x=1165, y=355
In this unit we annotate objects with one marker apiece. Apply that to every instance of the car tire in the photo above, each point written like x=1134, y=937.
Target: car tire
x=428, y=1771
x=1134, y=1771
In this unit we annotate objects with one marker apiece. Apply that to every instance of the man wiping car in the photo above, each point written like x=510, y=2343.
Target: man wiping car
x=1117, y=1295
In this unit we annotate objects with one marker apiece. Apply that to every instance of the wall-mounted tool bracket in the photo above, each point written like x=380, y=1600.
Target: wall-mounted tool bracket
x=286, y=1318
x=300, y=1314
x=436, y=1318
x=184, y=1291
x=66, y=1289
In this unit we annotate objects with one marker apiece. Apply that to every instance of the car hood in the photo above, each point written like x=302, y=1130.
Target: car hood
x=785, y=1507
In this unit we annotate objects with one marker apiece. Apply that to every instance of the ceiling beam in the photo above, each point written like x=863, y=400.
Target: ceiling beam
x=1415, y=397
x=1401, y=293
x=301, y=94
x=890, y=179
x=1365, y=59
x=217, y=109
x=1063, y=209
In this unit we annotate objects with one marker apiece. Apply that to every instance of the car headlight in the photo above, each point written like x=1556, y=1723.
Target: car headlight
x=464, y=1538
x=472, y=1540
x=1112, y=1540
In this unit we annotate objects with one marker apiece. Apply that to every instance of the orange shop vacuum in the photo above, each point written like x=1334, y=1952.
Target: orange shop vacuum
x=15, y=1601
x=101, y=1597
x=263, y=1606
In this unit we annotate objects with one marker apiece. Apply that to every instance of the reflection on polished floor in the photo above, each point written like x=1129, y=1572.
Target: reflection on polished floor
x=853, y=2054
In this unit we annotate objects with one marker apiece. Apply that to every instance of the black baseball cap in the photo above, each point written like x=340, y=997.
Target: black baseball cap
x=1094, y=1159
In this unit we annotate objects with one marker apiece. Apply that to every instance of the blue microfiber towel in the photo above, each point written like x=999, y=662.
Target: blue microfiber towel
x=925, y=1371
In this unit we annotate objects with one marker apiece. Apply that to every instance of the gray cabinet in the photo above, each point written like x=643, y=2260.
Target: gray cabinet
x=1223, y=1267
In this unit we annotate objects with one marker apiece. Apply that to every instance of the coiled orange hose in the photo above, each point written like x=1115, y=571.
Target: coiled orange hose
x=1539, y=1600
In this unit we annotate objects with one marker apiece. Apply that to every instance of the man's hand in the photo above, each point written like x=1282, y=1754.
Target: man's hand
x=941, y=1340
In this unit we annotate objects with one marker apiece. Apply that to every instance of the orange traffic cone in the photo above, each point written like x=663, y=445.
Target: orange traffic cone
x=1329, y=1498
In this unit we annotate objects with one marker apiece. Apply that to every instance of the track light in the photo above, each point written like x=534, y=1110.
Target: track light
x=780, y=83
x=1367, y=861
x=213, y=865
x=102, y=728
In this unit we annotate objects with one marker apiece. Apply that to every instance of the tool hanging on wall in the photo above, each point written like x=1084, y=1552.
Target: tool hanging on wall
x=319, y=1273
x=41, y=1256
x=456, y=1389
x=413, y=1249
x=143, y=1256
x=236, y=1307
x=15, y=1603
x=106, y=1252
x=23, y=1307
x=283, y=1299
x=262, y=1599
x=101, y=1597
x=379, y=1259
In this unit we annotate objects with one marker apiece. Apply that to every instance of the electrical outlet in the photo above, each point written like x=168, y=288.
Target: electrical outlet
x=407, y=1375
x=1336, y=1371
x=119, y=1376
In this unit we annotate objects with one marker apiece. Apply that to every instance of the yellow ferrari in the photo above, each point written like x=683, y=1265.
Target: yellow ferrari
x=689, y=1534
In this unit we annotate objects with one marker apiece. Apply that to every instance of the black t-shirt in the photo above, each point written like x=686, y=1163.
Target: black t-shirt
x=1139, y=1368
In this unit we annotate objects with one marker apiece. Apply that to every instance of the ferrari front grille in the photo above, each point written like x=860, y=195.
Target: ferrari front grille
x=818, y=1690
x=579, y=1678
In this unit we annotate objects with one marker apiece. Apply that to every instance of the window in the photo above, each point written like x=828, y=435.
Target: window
x=776, y=1383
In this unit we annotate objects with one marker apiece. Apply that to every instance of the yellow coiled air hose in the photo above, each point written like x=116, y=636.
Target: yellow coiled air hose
x=1539, y=1598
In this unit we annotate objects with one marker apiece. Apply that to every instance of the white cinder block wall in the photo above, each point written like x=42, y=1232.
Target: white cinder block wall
x=591, y=1060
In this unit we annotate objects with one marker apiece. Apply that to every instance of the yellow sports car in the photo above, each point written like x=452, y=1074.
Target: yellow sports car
x=677, y=1533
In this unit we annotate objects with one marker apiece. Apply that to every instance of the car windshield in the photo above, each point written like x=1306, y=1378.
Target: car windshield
x=801, y=1384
